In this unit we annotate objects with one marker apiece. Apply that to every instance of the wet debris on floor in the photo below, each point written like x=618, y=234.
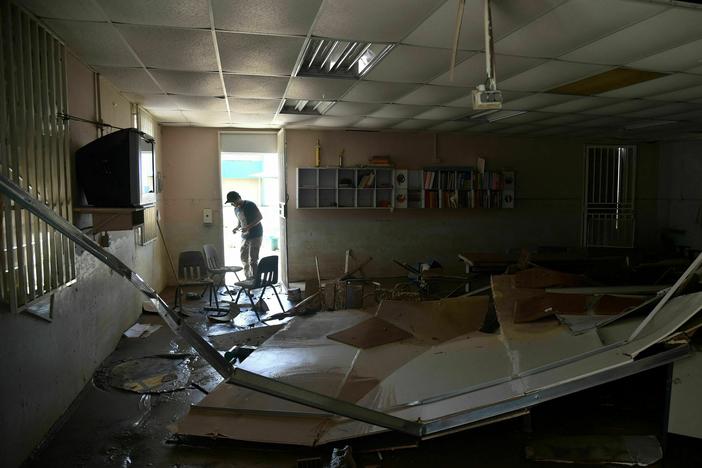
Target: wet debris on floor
x=151, y=374
x=141, y=330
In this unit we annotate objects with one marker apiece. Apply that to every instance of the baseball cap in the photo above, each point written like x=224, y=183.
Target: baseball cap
x=232, y=197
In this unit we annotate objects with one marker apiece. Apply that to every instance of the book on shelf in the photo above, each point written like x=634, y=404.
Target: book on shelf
x=430, y=182
x=431, y=199
x=366, y=180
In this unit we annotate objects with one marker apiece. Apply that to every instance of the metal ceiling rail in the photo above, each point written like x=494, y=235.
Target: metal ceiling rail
x=233, y=375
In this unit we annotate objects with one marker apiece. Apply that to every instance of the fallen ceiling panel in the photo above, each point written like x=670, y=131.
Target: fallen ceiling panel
x=421, y=386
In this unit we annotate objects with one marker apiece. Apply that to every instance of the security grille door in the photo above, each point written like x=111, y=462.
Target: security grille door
x=610, y=185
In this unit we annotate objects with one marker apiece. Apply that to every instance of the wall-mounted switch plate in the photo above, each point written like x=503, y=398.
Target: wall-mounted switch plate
x=207, y=216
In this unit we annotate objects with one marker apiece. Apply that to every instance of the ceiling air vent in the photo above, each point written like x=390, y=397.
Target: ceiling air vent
x=305, y=107
x=343, y=59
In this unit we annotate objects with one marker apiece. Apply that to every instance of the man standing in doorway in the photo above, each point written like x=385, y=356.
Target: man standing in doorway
x=250, y=219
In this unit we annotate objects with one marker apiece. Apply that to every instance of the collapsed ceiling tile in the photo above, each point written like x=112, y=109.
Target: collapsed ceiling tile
x=607, y=81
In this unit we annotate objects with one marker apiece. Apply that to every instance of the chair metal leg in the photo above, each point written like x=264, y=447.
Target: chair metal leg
x=279, y=301
x=177, y=302
x=253, y=305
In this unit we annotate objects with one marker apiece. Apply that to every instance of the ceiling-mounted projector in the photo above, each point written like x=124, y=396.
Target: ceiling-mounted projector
x=486, y=99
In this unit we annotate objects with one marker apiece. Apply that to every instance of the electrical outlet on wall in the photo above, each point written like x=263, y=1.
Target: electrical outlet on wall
x=207, y=216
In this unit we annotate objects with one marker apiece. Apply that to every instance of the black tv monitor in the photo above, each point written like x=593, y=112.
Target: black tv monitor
x=117, y=170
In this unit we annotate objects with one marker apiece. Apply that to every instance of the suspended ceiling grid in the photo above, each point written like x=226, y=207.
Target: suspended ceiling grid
x=227, y=63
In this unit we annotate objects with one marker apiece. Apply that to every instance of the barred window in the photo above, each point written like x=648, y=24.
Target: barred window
x=34, y=258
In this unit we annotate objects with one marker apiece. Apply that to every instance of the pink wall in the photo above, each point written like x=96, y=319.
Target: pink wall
x=548, y=208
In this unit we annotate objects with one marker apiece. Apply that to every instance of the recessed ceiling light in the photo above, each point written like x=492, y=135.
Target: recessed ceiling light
x=338, y=58
x=305, y=107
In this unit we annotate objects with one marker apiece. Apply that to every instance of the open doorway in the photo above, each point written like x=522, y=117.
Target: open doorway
x=249, y=165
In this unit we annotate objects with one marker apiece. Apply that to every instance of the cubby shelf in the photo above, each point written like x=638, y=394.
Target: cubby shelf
x=341, y=187
x=386, y=188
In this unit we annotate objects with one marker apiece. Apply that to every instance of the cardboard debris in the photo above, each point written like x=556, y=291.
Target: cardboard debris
x=370, y=333
x=545, y=278
x=534, y=308
x=611, y=305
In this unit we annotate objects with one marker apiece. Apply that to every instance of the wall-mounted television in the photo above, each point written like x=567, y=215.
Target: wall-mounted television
x=118, y=170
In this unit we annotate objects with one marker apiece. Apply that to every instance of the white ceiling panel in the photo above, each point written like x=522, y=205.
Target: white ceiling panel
x=679, y=58
x=537, y=101
x=695, y=116
x=282, y=17
x=610, y=121
x=518, y=130
x=549, y=75
x=449, y=126
x=578, y=104
x=572, y=25
x=472, y=72
x=335, y=122
x=180, y=13
x=246, y=86
x=661, y=32
x=430, y=95
x=485, y=128
x=84, y=10
x=373, y=122
x=437, y=30
x=254, y=106
x=409, y=64
x=172, y=49
x=551, y=130
x=444, y=113
x=660, y=111
x=568, y=119
x=696, y=70
x=400, y=111
x=623, y=107
x=191, y=83
x=292, y=118
x=411, y=124
x=94, y=43
x=200, y=103
x=208, y=119
x=375, y=91
x=130, y=80
x=252, y=119
x=163, y=115
x=372, y=20
x=258, y=55
x=346, y=109
x=154, y=101
x=687, y=94
x=655, y=87
x=326, y=89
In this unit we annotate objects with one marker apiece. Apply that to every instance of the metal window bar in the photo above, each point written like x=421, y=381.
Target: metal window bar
x=35, y=259
x=610, y=173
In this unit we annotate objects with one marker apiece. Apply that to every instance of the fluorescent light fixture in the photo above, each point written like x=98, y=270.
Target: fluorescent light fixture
x=648, y=123
x=501, y=115
x=305, y=107
x=341, y=58
x=480, y=115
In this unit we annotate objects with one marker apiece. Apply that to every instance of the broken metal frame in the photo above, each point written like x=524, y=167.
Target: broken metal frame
x=233, y=375
x=256, y=382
